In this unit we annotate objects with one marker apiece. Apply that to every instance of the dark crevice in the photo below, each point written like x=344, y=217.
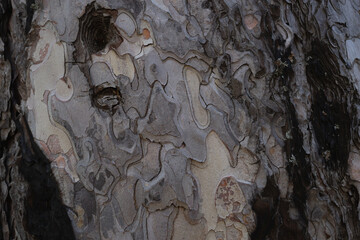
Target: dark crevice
x=273, y=219
x=46, y=216
x=30, y=14
x=330, y=117
x=279, y=224
x=224, y=66
x=5, y=15
x=265, y=207
x=298, y=165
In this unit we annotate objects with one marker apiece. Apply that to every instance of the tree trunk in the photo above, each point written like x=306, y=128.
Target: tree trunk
x=174, y=119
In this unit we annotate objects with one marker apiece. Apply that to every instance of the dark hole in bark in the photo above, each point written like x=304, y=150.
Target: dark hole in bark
x=155, y=196
x=100, y=182
x=106, y=98
x=224, y=66
x=275, y=11
x=97, y=29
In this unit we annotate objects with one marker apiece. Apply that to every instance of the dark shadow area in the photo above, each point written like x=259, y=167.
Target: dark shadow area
x=330, y=117
x=45, y=217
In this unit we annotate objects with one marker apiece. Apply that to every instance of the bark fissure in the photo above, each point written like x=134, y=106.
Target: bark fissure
x=154, y=119
x=45, y=216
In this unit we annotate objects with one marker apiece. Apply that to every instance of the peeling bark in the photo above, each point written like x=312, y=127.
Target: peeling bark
x=171, y=119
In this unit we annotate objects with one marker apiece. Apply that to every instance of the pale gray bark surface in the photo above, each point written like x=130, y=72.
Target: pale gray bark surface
x=179, y=119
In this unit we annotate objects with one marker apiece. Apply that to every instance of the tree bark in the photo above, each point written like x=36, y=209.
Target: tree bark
x=174, y=119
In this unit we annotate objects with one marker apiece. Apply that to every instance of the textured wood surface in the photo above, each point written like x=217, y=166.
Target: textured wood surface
x=179, y=119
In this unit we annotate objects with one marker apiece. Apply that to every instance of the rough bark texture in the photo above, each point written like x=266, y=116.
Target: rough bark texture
x=179, y=119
